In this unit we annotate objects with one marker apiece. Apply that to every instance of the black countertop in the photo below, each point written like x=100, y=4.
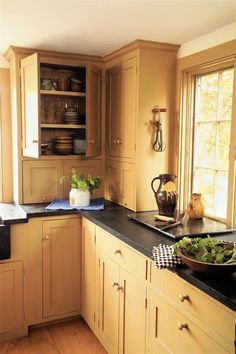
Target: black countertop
x=114, y=219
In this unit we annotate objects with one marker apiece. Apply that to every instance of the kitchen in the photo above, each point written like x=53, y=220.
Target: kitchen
x=122, y=88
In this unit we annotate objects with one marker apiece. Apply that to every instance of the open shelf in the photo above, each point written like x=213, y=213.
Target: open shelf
x=63, y=93
x=63, y=126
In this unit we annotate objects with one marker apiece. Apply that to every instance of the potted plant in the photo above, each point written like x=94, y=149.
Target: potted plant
x=81, y=188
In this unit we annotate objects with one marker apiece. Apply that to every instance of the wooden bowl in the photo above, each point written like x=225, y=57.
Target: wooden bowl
x=64, y=150
x=209, y=268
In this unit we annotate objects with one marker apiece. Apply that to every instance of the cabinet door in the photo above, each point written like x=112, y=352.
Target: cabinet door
x=113, y=187
x=170, y=331
x=85, y=167
x=128, y=108
x=132, y=314
x=127, y=183
x=30, y=106
x=11, y=296
x=120, y=183
x=88, y=272
x=113, y=107
x=61, y=266
x=109, y=303
x=93, y=112
x=41, y=181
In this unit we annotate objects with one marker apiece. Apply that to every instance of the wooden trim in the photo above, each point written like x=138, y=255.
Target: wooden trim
x=213, y=59
x=140, y=43
x=6, y=188
x=208, y=56
x=12, y=50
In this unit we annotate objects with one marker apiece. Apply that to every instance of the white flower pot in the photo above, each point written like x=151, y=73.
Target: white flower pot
x=79, y=198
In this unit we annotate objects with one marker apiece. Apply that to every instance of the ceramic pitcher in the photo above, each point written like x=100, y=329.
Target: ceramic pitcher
x=166, y=194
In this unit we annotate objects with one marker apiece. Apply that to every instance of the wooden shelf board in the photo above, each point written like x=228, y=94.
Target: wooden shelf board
x=63, y=93
x=63, y=126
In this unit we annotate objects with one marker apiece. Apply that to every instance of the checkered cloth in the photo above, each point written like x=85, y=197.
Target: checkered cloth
x=164, y=258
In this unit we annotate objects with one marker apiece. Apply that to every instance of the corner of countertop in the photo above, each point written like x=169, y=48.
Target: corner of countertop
x=12, y=214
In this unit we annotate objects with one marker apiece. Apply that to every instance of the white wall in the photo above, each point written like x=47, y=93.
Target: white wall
x=222, y=35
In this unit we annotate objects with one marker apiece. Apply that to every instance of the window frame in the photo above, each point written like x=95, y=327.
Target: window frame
x=185, y=149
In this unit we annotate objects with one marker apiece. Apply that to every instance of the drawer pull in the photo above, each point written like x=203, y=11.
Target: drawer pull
x=117, y=251
x=183, y=297
x=182, y=325
x=116, y=285
x=46, y=237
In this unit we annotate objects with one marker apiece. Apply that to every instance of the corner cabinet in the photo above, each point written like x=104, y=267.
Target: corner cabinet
x=46, y=96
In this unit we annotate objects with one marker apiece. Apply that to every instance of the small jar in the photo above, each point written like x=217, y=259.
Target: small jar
x=196, y=207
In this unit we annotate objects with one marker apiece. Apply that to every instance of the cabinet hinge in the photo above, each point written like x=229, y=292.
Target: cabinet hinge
x=95, y=238
x=134, y=146
x=98, y=322
x=94, y=317
x=146, y=303
x=99, y=262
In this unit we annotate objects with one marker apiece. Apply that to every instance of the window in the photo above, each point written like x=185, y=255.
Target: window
x=211, y=139
x=207, y=134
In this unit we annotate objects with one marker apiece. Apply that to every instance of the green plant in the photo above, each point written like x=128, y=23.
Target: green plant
x=82, y=182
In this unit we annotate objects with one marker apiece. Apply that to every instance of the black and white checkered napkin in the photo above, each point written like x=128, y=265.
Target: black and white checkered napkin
x=164, y=257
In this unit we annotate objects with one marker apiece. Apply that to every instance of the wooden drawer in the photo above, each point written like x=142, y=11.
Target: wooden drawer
x=122, y=254
x=167, y=331
x=198, y=303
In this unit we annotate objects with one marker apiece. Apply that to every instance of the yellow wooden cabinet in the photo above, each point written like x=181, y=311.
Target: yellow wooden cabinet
x=121, y=330
x=39, y=112
x=89, y=275
x=54, y=269
x=120, y=183
x=121, y=108
x=41, y=178
x=41, y=181
x=43, y=109
x=139, y=77
x=182, y=319
x=11, y=297
x=12, y=286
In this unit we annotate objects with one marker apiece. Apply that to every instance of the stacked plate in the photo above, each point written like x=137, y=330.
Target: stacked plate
x=63, y=145
x=71, y=116
x=79, y=142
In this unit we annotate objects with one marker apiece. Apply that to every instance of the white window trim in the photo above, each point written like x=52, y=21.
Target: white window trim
x=186, y=104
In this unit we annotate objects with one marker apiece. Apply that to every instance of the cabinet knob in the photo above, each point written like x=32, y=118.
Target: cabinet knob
x=182, y=325
x=117, y=251
x=46, y=237
x=116, y=285
x=114, y=141
x=35, y=141
x=44, y=199
x=183, y=297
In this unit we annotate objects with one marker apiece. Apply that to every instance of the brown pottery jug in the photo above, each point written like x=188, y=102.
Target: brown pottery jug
x=196, y=207
x=166, y=194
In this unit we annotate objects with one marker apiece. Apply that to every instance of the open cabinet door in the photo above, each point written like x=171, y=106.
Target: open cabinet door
x=30, y=95
x=93, y=112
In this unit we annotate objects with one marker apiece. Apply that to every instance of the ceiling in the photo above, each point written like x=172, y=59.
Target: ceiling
x=100, y=27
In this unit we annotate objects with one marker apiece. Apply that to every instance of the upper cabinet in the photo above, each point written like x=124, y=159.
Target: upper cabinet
x=139, y=77
x=121, y=104
x=60, y=108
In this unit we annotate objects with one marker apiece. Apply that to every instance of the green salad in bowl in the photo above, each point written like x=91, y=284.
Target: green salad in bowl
x=207, y=254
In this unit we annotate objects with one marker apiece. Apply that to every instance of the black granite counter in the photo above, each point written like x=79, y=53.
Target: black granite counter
x=114, y=219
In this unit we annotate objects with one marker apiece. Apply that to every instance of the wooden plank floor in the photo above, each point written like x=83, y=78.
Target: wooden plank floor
x=73, y=337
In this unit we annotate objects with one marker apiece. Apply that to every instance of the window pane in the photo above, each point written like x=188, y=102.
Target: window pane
x=212, y=129
x=222, y=157
x=205, y=145
x=204, y=184
x=226, y=93
x=221, y=185
x=208, y=89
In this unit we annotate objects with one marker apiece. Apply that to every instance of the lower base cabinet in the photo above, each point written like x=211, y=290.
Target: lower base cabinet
x=11, y=297
x=53, y=277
